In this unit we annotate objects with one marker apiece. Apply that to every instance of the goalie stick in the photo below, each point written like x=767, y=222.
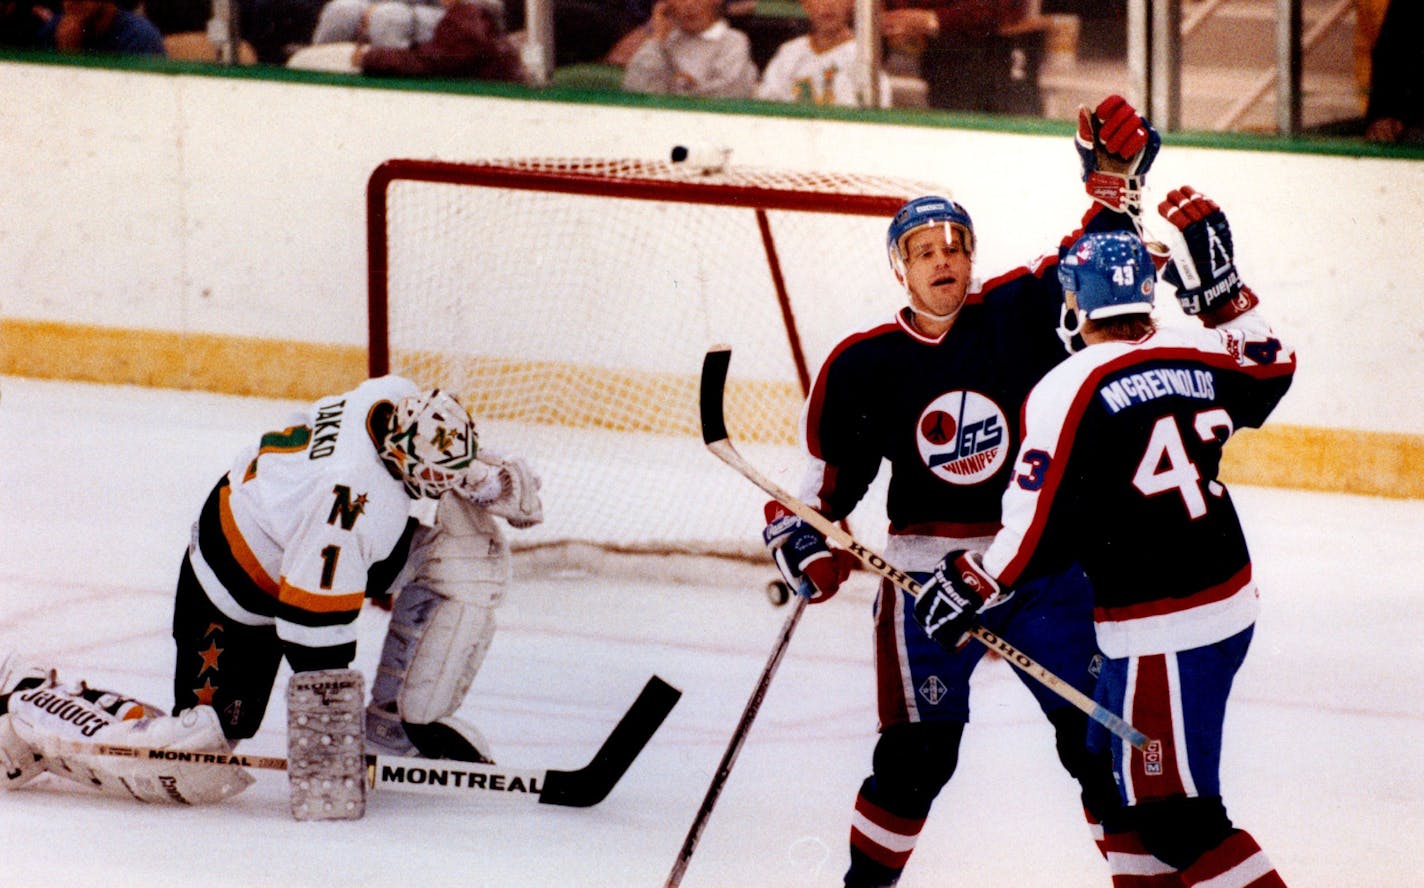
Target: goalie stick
x=714, y=434
x=580, y=788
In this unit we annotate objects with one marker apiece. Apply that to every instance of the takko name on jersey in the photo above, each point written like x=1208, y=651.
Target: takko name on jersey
x=1148, y=385
x=325, y=430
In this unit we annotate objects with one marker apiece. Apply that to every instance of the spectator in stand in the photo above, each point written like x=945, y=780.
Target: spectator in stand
x=692, y=51
x=920, y=21
x=101, y=26
x=820, y=68
x=961, y=54
x=585, y=31
x=278, y=28
x=1396, y=107
x=22, y=24
x=392, y=23
x=468, y=41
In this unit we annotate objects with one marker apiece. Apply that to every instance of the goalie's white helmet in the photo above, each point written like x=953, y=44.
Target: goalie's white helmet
x=432, y=441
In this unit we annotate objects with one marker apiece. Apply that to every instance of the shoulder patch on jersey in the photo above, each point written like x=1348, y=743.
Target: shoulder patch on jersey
x=963, y=437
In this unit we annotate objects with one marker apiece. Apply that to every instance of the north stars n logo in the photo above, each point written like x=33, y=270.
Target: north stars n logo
x=346, y=508
x=963, y=437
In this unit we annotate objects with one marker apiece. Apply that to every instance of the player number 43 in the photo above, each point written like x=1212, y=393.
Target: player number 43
x=1166, y=467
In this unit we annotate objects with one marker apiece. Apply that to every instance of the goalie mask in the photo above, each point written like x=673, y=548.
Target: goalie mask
x=431, y=442
x=1109, y=274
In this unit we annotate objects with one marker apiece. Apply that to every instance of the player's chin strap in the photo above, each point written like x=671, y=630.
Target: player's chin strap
x=917, y=312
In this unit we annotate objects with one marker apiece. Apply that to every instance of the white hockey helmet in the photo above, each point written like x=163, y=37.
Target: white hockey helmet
x=432, y=441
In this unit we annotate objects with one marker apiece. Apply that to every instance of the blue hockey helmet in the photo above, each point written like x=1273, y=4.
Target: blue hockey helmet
x=932, y=209
x=1109, y=273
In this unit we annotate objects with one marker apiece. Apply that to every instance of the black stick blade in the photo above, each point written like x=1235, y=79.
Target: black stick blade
x=592, y=783
x=714, y=380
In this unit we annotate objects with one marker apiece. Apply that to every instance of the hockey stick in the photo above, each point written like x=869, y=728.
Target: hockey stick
x=581, y=788
x=714, y=435
x=734, y=746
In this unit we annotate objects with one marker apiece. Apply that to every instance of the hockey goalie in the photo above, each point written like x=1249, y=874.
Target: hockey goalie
x=384, y=492
x=59, y=728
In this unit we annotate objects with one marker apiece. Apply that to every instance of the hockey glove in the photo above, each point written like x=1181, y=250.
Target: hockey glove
x=1116, y=146
x=799, y=551
x=1206, y=279
x=951, y=600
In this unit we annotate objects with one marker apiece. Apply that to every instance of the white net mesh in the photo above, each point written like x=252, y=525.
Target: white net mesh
x=569, y=303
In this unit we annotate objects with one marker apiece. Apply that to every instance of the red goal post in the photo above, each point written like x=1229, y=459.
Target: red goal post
x=569, y=303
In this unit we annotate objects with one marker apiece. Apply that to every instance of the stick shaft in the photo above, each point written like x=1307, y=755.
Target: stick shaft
x=734, y=746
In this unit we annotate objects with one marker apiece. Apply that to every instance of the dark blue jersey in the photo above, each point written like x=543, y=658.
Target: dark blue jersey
x=943, y=411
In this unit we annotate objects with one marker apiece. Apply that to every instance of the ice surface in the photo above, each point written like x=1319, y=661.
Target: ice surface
x=1324, y=753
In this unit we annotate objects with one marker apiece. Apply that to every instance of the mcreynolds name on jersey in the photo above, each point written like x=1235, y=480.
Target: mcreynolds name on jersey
x=1158, y=382
x=457, y=776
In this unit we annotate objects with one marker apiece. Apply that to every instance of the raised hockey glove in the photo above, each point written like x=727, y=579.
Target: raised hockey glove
x=951, y=600
x=799, y=551
x=1116, y=146
x=1205, y=277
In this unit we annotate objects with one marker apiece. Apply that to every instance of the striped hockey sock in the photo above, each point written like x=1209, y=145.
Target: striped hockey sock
x=1131, y=864
x=1238, y=862
x=880, y=844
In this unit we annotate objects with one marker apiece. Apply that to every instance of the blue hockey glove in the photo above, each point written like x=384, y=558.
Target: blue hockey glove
x=1116, y=146
x=799, y=550
x=951, y=600
x=1205, y=278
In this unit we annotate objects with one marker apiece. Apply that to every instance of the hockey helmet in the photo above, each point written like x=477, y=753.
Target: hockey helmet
x=932, y=209
x=1109, y=273
x=431, y=442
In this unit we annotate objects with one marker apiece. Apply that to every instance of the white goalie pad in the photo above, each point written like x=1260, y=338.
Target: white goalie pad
x=441, y=626
x=20, y=762
x=61, y=724
x=326, y=759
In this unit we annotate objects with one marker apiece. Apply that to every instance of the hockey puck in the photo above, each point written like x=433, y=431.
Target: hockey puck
x=778, y=593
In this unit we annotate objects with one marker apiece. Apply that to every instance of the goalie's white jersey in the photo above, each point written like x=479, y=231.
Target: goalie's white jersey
x=308, y=520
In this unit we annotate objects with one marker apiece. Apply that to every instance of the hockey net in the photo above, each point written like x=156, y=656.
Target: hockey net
x=569, y=302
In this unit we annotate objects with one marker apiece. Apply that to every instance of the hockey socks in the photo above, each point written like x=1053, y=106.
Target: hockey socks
x=1238, y=862
x=880, y=844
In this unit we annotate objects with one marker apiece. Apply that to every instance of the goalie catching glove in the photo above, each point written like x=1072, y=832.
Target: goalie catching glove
x=508, y=488
x=1116, y=146
x=950, y=602
x=800, y=550
x=1206, y=279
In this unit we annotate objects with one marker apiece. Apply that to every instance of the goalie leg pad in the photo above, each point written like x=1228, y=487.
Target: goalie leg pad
x=54, y=719
x=19, y=762
x=325, y=750
x=440, y=630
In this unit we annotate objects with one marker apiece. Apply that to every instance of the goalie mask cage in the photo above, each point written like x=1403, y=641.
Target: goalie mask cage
x=569, y=303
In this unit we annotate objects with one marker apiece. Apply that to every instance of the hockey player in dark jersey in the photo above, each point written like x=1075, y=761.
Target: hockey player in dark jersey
x=936, y=390
x=1117, y=471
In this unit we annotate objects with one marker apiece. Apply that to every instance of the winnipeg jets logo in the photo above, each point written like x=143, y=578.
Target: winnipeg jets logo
x=962, y=437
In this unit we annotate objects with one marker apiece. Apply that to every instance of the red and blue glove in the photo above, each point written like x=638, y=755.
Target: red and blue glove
x=950, y=601
x=800, y=550
x=1205, y=278
x=1114, y=131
